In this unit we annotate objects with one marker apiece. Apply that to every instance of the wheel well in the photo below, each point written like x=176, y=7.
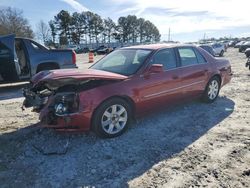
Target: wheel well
x=217, y=76
x=45, y=65
x=123, y=97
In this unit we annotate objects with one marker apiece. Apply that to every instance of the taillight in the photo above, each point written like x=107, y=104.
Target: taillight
x=73, y=57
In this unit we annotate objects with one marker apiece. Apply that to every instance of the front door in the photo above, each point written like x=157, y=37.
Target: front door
x=9, y=67
x=159, y=89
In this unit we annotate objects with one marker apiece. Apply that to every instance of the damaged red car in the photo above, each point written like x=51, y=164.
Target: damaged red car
x=126, y=83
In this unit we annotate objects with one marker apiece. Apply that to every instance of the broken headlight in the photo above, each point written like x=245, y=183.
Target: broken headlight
x=66, y=103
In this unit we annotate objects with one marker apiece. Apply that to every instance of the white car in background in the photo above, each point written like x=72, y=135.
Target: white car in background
x=218, y=48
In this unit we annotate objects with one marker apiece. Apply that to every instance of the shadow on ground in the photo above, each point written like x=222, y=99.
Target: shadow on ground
x=34, y=157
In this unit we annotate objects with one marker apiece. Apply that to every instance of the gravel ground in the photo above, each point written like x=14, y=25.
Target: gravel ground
x=191, y=145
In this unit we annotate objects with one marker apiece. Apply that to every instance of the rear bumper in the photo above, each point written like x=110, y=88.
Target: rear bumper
x=227, y=78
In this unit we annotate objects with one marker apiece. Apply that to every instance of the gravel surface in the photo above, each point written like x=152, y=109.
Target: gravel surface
x=191, y=145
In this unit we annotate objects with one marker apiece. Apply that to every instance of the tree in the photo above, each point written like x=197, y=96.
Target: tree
x=97, y=26
x=123, y=28
x=109, y=29
x=13, y=22
x=63, y=20
x=140, y=29
x=91, y=27
x=53, y=31
x=43, y=31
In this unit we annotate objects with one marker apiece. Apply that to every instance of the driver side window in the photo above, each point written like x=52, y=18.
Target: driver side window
x=165, y=57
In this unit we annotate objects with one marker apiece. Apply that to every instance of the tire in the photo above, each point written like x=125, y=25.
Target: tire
x=221, y=53
x=106, y=121
x=212, y=90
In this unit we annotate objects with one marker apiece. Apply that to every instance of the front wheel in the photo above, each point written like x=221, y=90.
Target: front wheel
x=212, y=90
x=221, y=53
x=112, y=118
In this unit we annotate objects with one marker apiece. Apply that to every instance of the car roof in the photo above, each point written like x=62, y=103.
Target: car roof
x=158, y=46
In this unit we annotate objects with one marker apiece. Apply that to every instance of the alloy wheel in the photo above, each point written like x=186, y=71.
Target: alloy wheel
x=114, y=119
x=213, y=89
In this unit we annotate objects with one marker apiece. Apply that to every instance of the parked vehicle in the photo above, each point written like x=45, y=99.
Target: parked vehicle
x=219, y=49
x=248, y=63
x=237, y=45
x=244, y=46
x=127, y=83
x=20, y=58
x=208, y=48
x=232, y=43
x=247, y=52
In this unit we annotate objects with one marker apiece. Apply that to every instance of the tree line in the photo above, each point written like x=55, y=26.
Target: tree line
x=88, y=27
x=13, y=22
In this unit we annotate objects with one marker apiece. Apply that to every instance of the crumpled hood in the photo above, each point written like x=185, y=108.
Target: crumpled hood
x=58, y=78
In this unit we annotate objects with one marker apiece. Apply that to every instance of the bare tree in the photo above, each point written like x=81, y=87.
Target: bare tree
x=13, y=22
x=43, y=31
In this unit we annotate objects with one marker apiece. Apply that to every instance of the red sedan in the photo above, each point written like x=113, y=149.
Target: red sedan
x=124, y=84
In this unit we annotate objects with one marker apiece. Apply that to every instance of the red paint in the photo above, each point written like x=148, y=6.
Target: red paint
x=147, y=90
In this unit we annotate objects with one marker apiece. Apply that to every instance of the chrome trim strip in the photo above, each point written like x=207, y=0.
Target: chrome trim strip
x=170, y=90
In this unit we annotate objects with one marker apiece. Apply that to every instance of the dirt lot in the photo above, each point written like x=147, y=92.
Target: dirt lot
x=191, y=145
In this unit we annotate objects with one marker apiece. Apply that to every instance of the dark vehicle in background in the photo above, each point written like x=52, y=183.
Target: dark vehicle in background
x=102, y=50
x=208, y=48
x=21, y=58
x=82, y=50
x=244, y=46
x=248, y=63
x=127, y=83
x=247, y=52
x=232, y=43
x=237, y=45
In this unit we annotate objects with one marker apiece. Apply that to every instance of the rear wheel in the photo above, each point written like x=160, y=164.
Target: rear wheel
x=112, y=118
x=212, y=90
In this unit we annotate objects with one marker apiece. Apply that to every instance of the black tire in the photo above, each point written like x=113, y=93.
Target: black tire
x=206, y=97
x=99, y=115
x=221, y=53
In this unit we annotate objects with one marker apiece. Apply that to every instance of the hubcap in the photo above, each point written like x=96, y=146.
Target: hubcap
x=213, y=89
x=114, y=119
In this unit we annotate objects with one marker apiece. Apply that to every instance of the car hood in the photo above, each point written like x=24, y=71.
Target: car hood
x=54, y=79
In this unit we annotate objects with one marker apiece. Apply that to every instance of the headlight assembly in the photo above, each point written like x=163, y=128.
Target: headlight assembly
x=66, y=103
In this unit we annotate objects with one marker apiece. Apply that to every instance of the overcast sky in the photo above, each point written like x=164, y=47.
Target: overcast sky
x=188, y=19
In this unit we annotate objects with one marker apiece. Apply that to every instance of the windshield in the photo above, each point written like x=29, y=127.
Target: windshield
x=125, y=62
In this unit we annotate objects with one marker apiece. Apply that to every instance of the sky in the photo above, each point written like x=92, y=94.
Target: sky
x=188, y=20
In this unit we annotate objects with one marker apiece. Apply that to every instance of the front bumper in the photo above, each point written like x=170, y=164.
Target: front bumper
x=80, y=121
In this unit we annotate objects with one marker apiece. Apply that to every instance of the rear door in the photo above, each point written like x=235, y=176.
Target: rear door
x=194, y=71
x=9, y=67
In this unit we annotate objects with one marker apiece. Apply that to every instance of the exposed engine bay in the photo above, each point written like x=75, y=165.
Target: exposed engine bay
x=61, y=100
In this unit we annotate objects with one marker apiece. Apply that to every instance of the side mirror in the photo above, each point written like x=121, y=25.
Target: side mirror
x=155, y=68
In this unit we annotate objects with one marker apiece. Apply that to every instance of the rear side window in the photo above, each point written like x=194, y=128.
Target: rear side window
x=165, y=57
x=187, y=56
x=200, y=57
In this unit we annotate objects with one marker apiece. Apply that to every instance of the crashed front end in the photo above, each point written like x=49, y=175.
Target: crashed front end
x=59, y=109
x=62, y=96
